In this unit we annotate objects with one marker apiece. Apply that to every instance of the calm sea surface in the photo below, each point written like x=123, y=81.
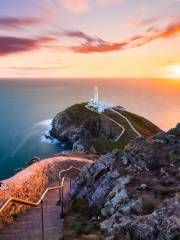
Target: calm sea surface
x=27, y=107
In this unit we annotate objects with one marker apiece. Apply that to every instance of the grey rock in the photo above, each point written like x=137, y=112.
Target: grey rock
x=119, y=197
x=98, y=197
x=163, y=224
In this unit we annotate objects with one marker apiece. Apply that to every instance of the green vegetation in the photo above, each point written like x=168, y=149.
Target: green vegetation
x=144, y=126
x=77, y=229
x=104, y=131
x=175, y=157
x=78, y=114
x=102, y=145
x=148, y=207
x=82, y=207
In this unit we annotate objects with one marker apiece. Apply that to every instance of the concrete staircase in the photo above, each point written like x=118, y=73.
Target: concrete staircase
x=28, y=225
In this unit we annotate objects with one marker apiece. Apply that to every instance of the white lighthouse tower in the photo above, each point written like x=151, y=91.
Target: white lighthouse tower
x=96, y=96
x=96, y=104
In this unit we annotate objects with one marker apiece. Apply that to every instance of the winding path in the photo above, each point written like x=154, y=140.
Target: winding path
x=118, y=124
x=127, y=120
x=112, y=120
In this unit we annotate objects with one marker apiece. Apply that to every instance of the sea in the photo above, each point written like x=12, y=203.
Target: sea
x=27, y=107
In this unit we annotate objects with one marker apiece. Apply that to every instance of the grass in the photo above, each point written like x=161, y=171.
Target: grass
x=102, y=145
x=79, y=114
x=77, y=229
x=175, y=157
x=148, y=207
x=144, y=126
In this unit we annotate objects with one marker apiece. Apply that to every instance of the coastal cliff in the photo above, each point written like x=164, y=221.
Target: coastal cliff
x=134, y=194
x=89, y=131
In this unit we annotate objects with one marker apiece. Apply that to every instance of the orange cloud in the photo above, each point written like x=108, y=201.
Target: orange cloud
x=99, y=45
x=136, y=22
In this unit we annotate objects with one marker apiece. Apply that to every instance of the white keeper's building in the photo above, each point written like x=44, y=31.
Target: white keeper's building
x=98, y=105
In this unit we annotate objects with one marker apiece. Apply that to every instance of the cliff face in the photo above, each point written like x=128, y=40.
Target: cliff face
x=31, y=182
x=135, y=194
x=88, y=131
x=77, y=125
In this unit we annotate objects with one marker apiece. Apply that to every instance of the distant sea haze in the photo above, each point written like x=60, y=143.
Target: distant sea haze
x=27, y=107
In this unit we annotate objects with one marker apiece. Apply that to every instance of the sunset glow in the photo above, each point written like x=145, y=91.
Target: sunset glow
x=173, y=72
x=87, y=38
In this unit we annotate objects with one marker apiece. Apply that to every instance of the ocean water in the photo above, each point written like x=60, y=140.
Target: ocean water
x=27, y=107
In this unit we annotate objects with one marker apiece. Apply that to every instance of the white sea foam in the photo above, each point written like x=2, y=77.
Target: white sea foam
x=47, y=123
x=41, y=128
x=44, y=139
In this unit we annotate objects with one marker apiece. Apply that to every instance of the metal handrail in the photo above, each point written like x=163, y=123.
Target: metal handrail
x=40, y=201
x=25, y=202
x=69, y=169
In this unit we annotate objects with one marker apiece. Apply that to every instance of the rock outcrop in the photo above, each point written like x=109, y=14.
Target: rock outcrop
x=76, y=126
x=135, y=193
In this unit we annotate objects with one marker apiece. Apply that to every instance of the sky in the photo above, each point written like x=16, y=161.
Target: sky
x=90, y=38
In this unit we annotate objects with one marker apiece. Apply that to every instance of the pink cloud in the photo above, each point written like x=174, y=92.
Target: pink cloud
x=99, y=45
x=136, y=22
x=108, y=2
x=12, y=22
x=76, y=6
x=11, y=45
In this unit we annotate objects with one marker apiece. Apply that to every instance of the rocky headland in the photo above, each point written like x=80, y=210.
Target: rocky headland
x=129, y=187
x=134, y=193
x=86, y=130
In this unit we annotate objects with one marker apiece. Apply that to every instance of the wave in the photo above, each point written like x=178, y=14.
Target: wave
x=41, y=128
x=44, y=139
x=47, y=123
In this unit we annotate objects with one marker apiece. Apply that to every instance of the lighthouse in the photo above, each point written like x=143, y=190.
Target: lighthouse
x=96, y=104
x=96, y=95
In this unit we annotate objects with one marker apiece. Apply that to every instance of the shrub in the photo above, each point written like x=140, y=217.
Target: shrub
x=148, y=207
x=77, y=229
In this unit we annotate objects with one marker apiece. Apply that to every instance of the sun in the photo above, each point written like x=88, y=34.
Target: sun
x=173, y=71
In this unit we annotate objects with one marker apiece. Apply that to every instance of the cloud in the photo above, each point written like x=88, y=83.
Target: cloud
x=76, y=6
x=92, y=45
x=87, y=44
x=81, y=35
x=144, y=22
x=79, y=6
x=11, y=45
x=11, y=22
x=108, y=2
x=34, y=68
